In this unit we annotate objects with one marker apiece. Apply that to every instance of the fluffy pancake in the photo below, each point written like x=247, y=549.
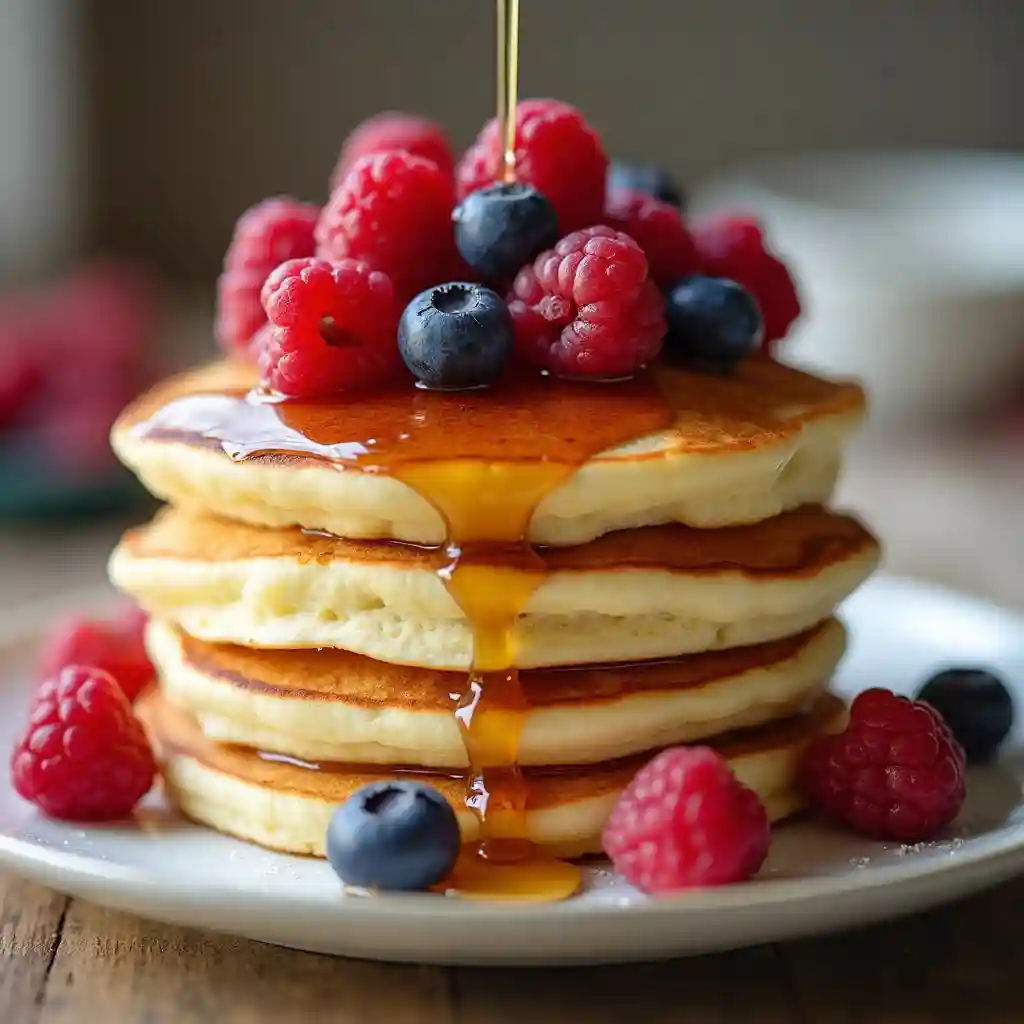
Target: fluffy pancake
x=286, y=805
x=336, y=706
x=704, y=450
x=646, y=593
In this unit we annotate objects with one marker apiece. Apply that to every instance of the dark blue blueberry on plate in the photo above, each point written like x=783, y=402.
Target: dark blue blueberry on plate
x=713, y=323
x=456, y=336
x=393, y=835
x=652, y=181
x=977, y=707
x=501, y=228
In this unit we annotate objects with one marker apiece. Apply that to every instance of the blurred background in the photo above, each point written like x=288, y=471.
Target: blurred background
x=882, y=143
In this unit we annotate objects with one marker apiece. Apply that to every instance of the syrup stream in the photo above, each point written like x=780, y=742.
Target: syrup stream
x=508, y=84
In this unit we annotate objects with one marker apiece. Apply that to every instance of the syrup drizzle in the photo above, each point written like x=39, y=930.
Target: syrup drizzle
x=508, y=84
x=484, y=461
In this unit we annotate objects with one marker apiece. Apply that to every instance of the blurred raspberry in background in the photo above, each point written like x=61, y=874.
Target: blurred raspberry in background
x=73, y=353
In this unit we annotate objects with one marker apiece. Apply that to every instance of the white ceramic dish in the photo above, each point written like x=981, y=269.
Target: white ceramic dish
x=816, y=879
x=911, y=266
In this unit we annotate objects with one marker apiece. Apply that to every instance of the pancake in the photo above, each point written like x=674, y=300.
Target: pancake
x=674, y=446
x=337, y=706
x=286, y=805
x=647, y=593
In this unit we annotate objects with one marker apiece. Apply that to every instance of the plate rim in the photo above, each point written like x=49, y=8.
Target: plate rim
x=999, y=851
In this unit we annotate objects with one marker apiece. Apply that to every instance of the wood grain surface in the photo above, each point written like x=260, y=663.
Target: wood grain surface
x=67, y=962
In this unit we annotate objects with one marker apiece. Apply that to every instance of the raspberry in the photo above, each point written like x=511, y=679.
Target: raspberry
x=556, y=151
x=659, y=230
x=114, y=646
x=394, y=212
x=586, y=307
x=335, y=328
x=896, y=772
x=266, y=235
x=21, y=372
x=685, y=820
x=735, y=247
x=84, y=755
x=395, y=130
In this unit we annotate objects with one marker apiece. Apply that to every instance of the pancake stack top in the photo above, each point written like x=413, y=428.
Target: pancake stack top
x=517, y=592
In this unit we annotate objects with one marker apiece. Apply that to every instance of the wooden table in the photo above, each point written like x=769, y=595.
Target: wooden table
x=952, y=514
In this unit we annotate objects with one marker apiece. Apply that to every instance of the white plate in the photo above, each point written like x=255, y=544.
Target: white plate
x=816, y=879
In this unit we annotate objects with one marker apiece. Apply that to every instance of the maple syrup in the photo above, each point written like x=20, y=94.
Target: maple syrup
x=508, y=84
x=484, y=460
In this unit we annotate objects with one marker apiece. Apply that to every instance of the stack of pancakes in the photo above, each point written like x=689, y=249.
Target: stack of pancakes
x=683, y=573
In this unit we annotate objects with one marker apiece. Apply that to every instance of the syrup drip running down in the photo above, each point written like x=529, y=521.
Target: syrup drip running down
x=484, y=460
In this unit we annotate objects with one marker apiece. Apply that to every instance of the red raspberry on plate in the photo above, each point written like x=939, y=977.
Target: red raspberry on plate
x=395, y=130
x=114, y=646
x=393, y=211
x=659, y=230
x=84, y=755
x=335, y=328
x=684, y=821
x=896, y=772
x=735, y=247
x=556, y=151
x=586, y=308
x=266, y=235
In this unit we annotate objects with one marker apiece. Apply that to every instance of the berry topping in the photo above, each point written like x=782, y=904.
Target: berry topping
x=556, y=151
x=456, y=336
x=586, y=308
x=266, y=235
x=896, y=772
x=684, y=821
x=977, y=707
x=713, y=324
x=500, y=228
x=651, y=181
x=84, y=755
x=334, y=328
x=659, y=230
x=735, y=247
x=395, y=130
x=393, y=835
x=393, y=211
x=114, y=646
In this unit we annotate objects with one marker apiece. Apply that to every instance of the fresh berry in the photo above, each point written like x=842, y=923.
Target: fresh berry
x=586, y=308
x=84, y=755
x=713, y=324
x=684, y=821
x=556, y=151
x=650, y=180
x=393, y=211
x=266, y=235
x=659, y=230
x=896, y=772
x=735, y=247
x=114, y=646
x=334, y=328
x=977, y=707
x=455, y=336
x=395, y=130
x=500, y=228
x=240, y=313
x=393, y=835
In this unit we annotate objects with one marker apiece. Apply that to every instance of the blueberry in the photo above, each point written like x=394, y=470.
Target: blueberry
x=713, y=323
x=651, y=181
x=393, y=835
x=976, y=705
x=456, y=336
x=501, y=228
